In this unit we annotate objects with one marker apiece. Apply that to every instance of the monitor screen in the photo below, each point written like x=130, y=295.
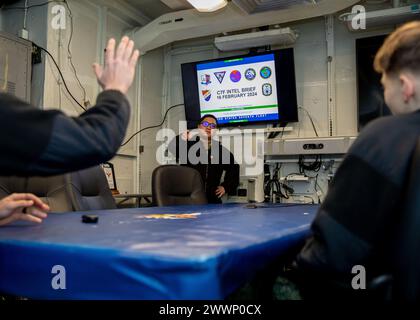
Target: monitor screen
x=258, y=88
x=371, y=101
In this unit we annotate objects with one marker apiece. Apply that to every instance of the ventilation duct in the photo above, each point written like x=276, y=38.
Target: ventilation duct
x=189, y=24
x=256, y=6
x=283, y=37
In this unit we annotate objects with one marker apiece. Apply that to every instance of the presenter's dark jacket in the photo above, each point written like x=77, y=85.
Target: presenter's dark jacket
x=355, y=225
x=211, y=165
x=38, y=142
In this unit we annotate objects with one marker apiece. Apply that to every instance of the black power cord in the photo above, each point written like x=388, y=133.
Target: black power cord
x=311, y=119
x=152, y=127
x=274, y=135
x=69, y=54
x=314, y=166
x=61, y=75
x=275, y=185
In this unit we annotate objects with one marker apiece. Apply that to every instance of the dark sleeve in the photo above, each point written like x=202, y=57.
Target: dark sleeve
x=352, y=225
x=173, y=147
x=355, y=223
x=179, y=148
x=24, y=134
x=78, y=143
x=231, y=180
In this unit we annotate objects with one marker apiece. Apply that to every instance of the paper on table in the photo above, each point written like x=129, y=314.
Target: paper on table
x=170, y=216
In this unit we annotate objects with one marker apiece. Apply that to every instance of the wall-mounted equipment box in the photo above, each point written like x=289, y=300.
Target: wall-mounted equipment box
x=315, y=146
x=15, y=66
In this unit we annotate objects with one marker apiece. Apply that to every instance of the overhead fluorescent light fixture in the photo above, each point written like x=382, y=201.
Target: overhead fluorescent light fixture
x=283, y=37
x=257, y=6
x=208, y=5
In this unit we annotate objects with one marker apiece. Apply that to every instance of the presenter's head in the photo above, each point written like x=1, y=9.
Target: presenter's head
x=208, y=125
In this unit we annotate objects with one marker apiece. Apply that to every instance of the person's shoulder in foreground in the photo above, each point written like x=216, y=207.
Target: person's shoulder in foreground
x=387, y=143
x=355, y=224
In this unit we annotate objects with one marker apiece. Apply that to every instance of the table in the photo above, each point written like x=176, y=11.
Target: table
x=128, y=256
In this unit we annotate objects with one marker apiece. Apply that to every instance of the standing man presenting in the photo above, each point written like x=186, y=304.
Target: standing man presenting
x=209, y=158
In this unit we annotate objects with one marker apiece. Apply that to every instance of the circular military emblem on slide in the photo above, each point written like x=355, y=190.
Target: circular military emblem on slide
x=265, y=72
x=250, y=74
x=267, y=89
x=235, y=76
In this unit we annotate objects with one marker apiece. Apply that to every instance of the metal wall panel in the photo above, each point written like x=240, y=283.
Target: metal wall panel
x=15, y=66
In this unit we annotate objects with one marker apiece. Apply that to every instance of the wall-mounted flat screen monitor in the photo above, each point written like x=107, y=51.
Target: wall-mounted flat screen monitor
x=242, y=90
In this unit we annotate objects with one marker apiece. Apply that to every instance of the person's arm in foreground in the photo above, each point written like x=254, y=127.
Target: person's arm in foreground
x=55, y=143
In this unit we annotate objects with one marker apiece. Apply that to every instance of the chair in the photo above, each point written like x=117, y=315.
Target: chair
x=89, y=190
x=52, y=190
x=78, y=191
x=174, y=185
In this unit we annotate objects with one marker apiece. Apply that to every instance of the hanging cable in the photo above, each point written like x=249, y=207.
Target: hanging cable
x=152, y=127
x=312, y=121
x=314, y=166
x=69, y=54
x=61, y=75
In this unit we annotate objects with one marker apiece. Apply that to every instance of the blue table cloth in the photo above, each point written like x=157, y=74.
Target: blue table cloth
x=128, y=255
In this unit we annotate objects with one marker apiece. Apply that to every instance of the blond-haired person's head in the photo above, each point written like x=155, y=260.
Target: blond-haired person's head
x=398, y=61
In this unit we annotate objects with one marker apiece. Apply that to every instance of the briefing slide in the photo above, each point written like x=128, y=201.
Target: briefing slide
x=239, y=90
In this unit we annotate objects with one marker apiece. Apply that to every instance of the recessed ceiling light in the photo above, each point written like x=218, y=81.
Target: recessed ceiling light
x=208, y=5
